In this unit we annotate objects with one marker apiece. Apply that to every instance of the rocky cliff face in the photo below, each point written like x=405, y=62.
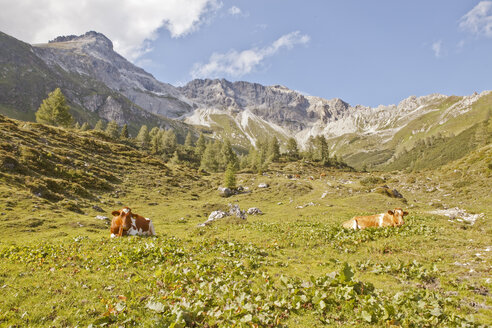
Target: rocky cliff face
x=276, y=104
x=92, y=55
x=300, y=115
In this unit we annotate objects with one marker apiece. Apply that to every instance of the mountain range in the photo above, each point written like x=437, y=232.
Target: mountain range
x=99, y=83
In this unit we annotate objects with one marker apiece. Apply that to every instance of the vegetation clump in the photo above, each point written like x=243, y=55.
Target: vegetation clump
x=371, y=181
x=54, y=110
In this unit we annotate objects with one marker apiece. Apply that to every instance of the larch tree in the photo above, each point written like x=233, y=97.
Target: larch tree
x=54, y=110
x=143, y=137
x=85, y=126
x=228, y=156
x=99, y=126
x=201, y=144
x=112, y=129
x=273, y=150
x=230, y=176
x=189, y=140
x=292, y=151
x=209, y=160
x=124, y=132
x=169, y=142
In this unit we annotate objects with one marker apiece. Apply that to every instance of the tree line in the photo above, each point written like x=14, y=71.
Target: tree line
x=210, y=155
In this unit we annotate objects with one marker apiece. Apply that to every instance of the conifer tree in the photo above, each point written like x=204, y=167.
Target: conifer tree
x=153, y=132
x=156, y=141
x=209, y=159
x=85, y=126
x=322, y=151
x=227, y=155
x=54, y=110
x=143, y=137
x=189, y=140
x=261, y=158
x=175, y=158
x=169, y=142
x=112, y=129
x=230, y=176
x=273, y=150
x=124, y=132
x=201, y=144
x=99, y=126
x=243, y=162
x=251, y=158
x=292, y=151
x=310, y=149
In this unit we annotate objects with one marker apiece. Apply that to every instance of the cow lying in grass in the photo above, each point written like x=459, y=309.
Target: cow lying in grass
x=126, y=223
x=389, y=219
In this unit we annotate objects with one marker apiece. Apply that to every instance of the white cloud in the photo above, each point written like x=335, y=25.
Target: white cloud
x=129, y=24
x=478, y=20
x=235, y=10
x=437, y=48
x=236, y=64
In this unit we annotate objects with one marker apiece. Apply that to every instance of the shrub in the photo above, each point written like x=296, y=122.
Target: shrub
x=371, y=181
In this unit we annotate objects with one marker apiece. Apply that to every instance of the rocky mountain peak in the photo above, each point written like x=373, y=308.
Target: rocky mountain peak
x=91, y=38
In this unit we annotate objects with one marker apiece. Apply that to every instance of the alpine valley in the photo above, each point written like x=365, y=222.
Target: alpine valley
x=242, y=240
x=101, y=84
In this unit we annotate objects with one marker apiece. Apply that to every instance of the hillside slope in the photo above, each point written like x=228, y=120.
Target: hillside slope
x=25, y=80
x=72, y=169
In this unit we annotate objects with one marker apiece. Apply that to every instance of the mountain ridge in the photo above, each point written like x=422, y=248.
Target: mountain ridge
x=242, y=111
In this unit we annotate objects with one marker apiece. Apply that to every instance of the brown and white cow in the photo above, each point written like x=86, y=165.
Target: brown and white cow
x=126, y=223
x=389, y=219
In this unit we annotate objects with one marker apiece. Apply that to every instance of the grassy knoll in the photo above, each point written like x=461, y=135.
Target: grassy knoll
x=292, y=266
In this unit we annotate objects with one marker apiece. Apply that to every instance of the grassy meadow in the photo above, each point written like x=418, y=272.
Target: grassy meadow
x=293, y=266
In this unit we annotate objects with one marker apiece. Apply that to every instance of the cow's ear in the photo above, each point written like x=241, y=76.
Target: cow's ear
x=405, y=213
x=390, y=212
x=115, y=213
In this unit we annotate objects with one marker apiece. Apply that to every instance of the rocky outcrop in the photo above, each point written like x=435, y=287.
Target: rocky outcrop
x=92, y=55
x=234, y=211
x=276, y=104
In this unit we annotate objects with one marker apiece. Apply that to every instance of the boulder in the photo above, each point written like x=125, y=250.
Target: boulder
x=263, y=185
x=215, y=215
x=97, y=208
x=254, y=211
x=102, y=218
x=225, y=192
x=234, y=210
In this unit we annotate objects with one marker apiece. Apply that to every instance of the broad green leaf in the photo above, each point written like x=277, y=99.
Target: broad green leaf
x=346, y=273
x=155, y=306
x=436, y=312
x=366, y=316
x=247, y=318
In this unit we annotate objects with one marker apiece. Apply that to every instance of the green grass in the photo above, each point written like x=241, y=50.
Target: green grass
x=292, y=266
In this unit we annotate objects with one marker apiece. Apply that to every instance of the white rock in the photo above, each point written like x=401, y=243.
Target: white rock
x=254, y=211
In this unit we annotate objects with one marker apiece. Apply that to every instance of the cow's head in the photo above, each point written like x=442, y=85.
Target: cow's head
x=398, y=215
x=125, y=215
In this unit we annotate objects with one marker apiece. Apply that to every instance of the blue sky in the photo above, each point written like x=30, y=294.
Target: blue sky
x=365, y=52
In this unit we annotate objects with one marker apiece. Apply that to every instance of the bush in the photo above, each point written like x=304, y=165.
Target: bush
x=230, y=176
x=371, y=181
